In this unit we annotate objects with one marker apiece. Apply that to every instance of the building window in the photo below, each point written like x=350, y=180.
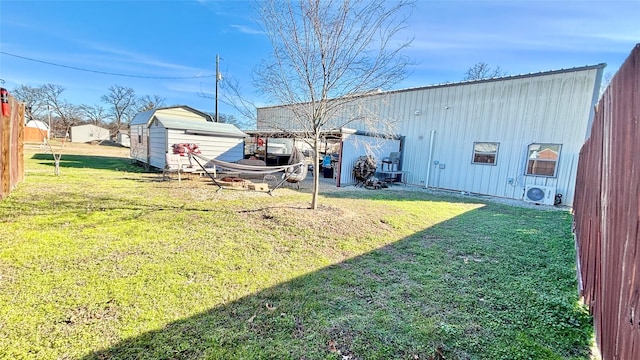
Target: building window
x=485, y=153
x=542, y=159
x=139, y=134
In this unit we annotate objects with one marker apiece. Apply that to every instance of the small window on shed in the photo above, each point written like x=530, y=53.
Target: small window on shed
x=139, y=134
x=485, y=153
x=542, y=159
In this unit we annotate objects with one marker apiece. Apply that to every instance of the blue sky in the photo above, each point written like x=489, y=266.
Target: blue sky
x=180, y=39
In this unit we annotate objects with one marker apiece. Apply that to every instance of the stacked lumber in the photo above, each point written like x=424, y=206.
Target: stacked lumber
x=239, y=183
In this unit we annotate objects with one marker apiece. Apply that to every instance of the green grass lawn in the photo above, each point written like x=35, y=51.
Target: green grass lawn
x=106, y=261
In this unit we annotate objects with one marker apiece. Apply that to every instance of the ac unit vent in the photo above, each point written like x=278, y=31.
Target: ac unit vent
x=540, y=194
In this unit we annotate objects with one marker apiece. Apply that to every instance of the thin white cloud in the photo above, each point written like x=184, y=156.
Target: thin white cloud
x=247, y=30
x=138, y=59
x=547, y=26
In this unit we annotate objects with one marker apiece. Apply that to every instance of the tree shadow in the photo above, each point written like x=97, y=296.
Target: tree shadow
x=92, y=162
x=432, y=295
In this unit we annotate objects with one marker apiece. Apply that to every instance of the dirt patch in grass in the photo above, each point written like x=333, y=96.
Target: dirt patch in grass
x=331, y=220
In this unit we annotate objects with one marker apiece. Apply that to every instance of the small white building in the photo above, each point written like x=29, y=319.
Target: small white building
x=123, y=139
x=88, y=133
x=154, y=132
x=501, y=137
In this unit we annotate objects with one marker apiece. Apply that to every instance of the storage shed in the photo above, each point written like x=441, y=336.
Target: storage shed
x=153, y=133
x=87, y=133
x=514, y=137
x=36, y=131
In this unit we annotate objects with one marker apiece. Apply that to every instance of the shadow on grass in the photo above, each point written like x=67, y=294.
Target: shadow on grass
x=504, y=289
x=92, y=162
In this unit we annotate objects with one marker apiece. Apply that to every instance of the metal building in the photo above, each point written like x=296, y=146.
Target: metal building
x=515, y=137
x=88, y=133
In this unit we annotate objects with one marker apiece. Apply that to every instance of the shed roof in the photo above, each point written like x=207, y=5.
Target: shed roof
x=145, y=116
x=200, y=127
x=37, y=124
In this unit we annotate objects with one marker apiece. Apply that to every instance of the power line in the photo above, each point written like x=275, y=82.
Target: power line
x=105, y=72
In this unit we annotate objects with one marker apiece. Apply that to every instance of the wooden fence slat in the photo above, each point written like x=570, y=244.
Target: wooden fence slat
x=607, y=215
x=12, y=147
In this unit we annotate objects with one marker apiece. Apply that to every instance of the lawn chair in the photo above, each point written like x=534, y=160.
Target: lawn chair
x=392, y=161
x=174, y=163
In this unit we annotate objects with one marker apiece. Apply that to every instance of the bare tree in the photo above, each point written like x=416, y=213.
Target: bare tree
x=482, y=70
x=35, y=105
x=95, y=114
x=150, y=102
x=65, y=114
x=121, y=102
x=326, y=54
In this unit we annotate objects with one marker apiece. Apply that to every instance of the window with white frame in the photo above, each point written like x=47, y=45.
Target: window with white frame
x=485, y=153
x=542, y=159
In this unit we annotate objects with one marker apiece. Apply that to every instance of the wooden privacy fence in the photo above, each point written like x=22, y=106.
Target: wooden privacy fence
x=11, y=144
x=607, y=217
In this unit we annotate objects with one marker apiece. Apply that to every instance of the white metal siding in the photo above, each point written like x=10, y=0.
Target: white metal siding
x=87, y=133
x=550, y=107
x=138, y=150
x=158, y=145
x=545, y=109
x=212, y=147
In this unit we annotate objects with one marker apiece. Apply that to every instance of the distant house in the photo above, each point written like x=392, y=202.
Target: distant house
x=122, y=138
x=154, y=132
x=499, y=137
x=88, y=133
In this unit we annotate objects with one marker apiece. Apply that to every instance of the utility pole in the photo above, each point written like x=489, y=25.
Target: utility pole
x=49, y=132
x=218, y=78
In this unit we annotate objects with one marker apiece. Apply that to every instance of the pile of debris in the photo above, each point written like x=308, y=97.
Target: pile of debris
x=364, y=170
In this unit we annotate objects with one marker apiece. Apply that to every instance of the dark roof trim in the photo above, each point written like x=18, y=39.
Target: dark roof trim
x=212, y=133
x=325, y=133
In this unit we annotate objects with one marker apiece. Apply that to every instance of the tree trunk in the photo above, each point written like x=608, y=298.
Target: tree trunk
x=316, y=172
x=56, y=170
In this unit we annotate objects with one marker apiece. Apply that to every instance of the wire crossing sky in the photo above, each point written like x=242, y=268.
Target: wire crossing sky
x=168, y=48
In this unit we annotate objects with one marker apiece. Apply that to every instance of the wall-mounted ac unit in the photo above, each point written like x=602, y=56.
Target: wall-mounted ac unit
x=545, y=195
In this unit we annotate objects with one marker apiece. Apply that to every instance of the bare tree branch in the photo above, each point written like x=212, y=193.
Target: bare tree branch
x=121, y=102
x=482, y=70
x=150, y=102
x=66, y=114
x=326, y=55
x=35, y=104
x=95, y=114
